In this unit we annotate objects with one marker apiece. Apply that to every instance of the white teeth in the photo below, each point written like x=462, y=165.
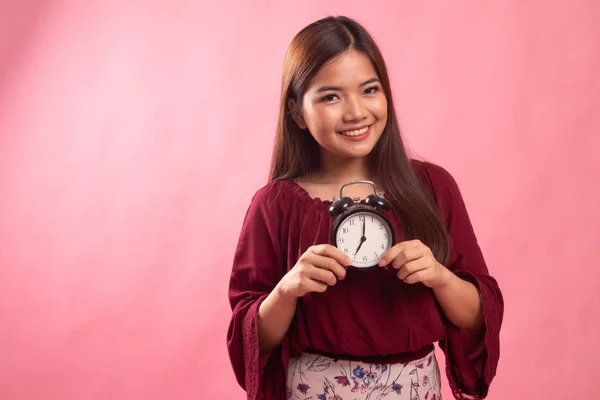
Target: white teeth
x=356, y=132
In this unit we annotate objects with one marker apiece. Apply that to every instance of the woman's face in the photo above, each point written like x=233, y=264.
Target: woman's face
x=344, y=108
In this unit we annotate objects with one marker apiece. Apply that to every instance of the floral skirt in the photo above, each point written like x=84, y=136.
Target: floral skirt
x=312, y=376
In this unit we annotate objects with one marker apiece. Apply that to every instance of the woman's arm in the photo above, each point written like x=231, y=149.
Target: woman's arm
x=460, y=301
x=318, y=268
x=274, y=318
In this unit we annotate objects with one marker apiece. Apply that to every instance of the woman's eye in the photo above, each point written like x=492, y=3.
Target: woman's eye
x=372, y=90
x=330, y=97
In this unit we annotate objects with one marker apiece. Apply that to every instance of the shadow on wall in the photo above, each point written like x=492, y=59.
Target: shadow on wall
x=19, y=22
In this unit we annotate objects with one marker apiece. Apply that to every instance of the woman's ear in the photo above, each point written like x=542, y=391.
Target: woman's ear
x=296, y=113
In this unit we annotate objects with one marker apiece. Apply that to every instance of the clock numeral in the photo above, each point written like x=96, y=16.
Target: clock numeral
x=361, y=217
x=372, y=219
x=380, y=226
x=341, y=240
x=351, y=222
x=365, y=258
x=382, y=246
x=376, y=255
x=344, y=230
x=346, y=250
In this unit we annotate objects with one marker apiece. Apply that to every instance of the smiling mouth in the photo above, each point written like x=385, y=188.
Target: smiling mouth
x=356, y=132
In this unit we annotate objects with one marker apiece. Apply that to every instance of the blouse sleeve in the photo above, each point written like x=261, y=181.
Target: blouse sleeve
x=471, y=357
x=257, y=268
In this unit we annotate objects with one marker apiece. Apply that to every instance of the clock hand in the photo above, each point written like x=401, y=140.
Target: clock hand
x=362, y=239
x=359, y=246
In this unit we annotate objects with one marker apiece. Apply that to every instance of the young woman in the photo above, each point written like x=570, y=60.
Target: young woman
x=305, y=325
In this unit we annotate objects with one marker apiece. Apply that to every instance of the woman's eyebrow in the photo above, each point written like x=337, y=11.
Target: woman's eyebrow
x=338, y=88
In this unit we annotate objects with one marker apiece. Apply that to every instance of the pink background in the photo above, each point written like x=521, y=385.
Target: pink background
x=133, y=135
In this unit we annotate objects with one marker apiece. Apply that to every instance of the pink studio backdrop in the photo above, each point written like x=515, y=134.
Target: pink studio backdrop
x=133, y=135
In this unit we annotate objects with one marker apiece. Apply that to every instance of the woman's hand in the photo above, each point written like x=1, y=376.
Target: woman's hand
x=416, y=263
x=318, y=268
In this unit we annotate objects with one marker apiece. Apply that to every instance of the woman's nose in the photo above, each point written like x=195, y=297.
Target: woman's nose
x=355, y=109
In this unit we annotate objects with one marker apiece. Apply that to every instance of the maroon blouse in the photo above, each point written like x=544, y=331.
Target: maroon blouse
x=370, y=315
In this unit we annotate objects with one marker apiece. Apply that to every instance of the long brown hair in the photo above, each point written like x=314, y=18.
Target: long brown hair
x=296, y=153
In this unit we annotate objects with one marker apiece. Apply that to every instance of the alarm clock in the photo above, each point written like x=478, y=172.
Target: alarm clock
x=361, y=230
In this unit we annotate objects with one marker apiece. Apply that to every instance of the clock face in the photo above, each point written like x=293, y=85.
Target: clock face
x=364, y=236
